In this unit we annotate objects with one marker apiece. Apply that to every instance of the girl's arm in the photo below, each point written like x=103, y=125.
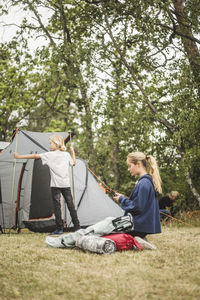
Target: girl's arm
x=138, y=200
x=26, y=156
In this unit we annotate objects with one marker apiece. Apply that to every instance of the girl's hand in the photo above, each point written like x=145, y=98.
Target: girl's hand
x=116, y=197
x=16, y=155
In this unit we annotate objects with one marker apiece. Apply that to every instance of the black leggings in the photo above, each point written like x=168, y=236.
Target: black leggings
x=137, y=233
x=56, y=194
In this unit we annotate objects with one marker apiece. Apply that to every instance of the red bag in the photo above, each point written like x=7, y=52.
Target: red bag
x=123, y=241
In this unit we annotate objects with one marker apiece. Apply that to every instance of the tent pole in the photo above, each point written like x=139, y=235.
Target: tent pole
x=2, y=229
x=13, y=182
x=73, y=188
x=1, y=203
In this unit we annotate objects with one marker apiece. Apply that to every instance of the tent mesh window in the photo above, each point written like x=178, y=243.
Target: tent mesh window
x=41, y=199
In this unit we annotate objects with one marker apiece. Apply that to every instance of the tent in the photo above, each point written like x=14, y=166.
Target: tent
x=25, y=196
x=3, y=145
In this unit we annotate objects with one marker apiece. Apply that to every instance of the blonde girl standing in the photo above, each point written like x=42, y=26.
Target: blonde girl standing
x=58, y=161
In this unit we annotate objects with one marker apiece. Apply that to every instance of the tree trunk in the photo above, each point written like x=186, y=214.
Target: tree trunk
x=189, y=44
x=192, y=188
x=193, y=55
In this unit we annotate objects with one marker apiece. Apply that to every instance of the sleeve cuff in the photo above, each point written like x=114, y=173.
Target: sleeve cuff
x=120, y=199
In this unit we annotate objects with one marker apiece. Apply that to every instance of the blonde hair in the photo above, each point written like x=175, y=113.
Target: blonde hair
x=58, y=141
x=174, y=194
x=150, y=165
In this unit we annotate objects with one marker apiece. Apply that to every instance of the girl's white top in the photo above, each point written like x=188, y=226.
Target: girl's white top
x=58, y=163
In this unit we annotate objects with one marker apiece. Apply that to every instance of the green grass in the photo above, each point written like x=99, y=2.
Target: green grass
x=31, y=270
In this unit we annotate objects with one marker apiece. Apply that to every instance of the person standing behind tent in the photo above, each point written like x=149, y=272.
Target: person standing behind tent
x=143, y=203
x=58, y=161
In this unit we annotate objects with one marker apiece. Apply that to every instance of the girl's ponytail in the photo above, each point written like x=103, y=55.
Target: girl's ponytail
x=153, y=170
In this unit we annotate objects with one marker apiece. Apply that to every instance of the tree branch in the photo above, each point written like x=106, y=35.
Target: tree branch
x=32, y=8
x=167, y=124
x=177, y=32
x=64, y=24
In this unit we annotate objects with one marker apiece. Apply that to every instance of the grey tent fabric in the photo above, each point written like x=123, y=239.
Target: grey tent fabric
x=25, y=196
x=3, y=145
x=96, y=244
x=103, y=227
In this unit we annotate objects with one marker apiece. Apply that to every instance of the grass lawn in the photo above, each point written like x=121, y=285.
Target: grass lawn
x=31, y=270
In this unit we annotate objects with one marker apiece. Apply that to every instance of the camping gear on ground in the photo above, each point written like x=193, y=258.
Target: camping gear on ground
x=25, y=195
x=145, y=244
x=66, y=240
x=103, y=227
x=124, y=241
x=96, y=244
x=123, y=224
x=111, y=224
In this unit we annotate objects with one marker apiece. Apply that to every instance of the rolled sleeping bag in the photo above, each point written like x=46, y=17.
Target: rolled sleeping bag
x=96, y=244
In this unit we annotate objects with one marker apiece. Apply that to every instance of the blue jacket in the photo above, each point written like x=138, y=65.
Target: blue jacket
x=143, y=205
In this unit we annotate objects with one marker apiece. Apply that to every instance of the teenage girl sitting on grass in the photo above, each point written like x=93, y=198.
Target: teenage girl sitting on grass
x=143, y=202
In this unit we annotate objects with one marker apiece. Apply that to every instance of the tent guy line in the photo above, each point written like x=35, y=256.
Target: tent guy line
x=167, y=215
